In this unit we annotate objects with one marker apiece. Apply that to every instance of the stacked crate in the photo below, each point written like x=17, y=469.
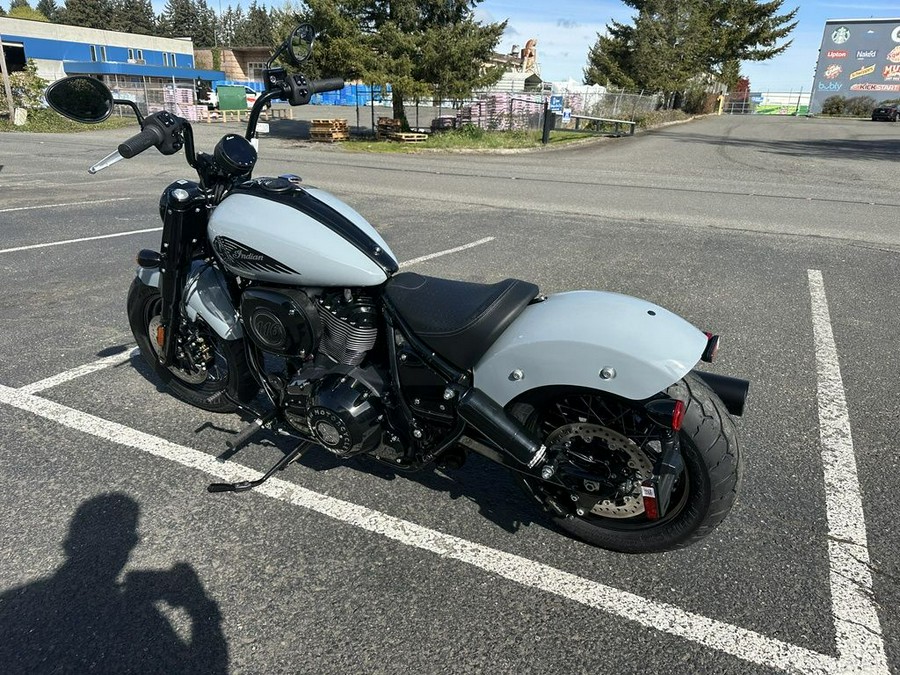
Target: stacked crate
x=388, y=126
x=329, y=131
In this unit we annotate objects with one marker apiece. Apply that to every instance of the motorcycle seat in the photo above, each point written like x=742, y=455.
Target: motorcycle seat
x=459, y=320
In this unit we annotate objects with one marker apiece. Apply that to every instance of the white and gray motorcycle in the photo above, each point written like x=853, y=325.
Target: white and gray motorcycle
x=589, y=398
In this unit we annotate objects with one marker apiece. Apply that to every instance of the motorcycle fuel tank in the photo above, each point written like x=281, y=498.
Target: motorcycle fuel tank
x=271, y=229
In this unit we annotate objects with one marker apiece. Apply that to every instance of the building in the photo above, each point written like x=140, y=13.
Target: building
x=858, y=57
x=241, y=65
x=124, y=61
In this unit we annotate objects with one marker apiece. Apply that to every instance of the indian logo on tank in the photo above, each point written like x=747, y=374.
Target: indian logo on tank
x=239, y=256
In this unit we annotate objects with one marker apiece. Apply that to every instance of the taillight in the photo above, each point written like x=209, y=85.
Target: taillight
x=712, y=348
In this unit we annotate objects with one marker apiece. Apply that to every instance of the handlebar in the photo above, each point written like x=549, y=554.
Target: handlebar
x=147, y=138
x=321, y=86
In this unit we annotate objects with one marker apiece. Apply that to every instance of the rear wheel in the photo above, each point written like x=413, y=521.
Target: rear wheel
x=210, y=370
x=622, y=446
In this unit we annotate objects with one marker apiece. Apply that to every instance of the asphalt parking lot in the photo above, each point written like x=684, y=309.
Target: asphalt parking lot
x=779, y=234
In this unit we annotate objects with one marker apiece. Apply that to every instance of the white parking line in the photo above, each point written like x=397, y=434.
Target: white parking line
x=431, y=256
x=859, y=638
x=75, y=241
x=54, y=206
x=739, y=642
x=86, y=369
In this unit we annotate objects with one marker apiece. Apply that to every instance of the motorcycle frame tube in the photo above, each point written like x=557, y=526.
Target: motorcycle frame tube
x=593, y=339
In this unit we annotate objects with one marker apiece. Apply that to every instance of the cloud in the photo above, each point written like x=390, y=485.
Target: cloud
x=567, y=23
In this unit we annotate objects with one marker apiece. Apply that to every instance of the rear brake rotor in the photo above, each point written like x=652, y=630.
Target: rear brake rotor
x=611, y=444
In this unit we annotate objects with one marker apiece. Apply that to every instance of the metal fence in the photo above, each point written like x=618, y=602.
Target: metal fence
x=156, y=94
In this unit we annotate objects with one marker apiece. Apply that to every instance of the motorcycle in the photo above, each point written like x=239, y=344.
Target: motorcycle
x=589, y=398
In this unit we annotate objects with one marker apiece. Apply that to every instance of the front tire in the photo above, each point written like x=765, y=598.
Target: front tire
x=704, y=492
x=218, y=375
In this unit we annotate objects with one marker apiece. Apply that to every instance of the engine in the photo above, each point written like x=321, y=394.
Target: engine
x=331, y=398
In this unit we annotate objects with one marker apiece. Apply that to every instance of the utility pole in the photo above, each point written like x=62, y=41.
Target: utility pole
x=7, y=88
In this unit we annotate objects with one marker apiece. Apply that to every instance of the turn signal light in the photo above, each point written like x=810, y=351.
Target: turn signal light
x=712, y=348
x=148, y=258
x=666, y=412
x=160, y=336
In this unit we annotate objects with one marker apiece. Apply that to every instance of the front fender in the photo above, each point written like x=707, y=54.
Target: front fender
x=569, y=338
x=205, y=295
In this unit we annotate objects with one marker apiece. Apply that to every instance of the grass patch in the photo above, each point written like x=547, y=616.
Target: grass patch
x=467, y=138
x=648, y=120
x=48, y=121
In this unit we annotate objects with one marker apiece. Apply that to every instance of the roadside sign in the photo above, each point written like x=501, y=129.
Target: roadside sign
x=566, y=115
x=556, y=104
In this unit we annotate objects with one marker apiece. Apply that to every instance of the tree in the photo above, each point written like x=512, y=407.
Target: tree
x=87, y=13
x=673, y=43
x=49, y=9
x=133, y=16
x=2, y=11
x=413, y=45
x=189, y=18
x=20, y=9
x=256, y=29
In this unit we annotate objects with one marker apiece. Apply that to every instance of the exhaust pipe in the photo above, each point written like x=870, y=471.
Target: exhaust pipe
x=732, y=390
x=486, y=415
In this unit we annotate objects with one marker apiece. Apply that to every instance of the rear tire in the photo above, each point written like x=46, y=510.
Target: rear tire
x=226, y=373
x=704, y=494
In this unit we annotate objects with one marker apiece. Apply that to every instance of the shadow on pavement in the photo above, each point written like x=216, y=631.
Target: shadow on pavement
x=83, y=619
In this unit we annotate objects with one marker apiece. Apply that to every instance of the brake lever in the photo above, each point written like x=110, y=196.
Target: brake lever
x=106, y=162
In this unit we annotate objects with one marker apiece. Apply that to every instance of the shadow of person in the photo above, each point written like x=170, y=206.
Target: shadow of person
x=83, y=619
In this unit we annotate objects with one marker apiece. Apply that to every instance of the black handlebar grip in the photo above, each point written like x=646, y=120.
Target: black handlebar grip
x=149, y=136
x=331, y=84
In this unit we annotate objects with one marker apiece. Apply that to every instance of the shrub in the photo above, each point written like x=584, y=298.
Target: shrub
x=647, y=120
x=860, y=106
x=27, y=88
x=833, y=105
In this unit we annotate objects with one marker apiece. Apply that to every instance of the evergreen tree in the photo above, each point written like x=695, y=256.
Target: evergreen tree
x=256, y=29
x=675, y=42
x=87, y=13
x=133, y=16
x=49, y=9
x=179, y=19
x=2, y=11
x=15, y=4
x=228, y=24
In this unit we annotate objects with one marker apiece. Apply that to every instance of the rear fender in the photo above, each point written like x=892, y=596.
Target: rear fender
x=605, y=341
x=205, y=295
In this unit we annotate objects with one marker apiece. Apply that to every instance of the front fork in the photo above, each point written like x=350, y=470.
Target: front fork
x=184, y=232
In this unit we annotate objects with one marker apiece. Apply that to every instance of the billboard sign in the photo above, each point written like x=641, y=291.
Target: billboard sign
x=858, y=57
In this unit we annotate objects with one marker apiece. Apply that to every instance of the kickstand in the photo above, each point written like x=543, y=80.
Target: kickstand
x=244, y=485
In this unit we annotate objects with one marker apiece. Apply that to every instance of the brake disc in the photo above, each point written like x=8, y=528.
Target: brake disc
x=613, y=447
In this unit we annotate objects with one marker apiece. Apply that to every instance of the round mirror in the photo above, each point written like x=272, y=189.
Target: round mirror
x=301, y=42
x=80, y=98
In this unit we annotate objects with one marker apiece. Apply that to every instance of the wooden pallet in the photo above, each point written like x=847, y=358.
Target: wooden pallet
x=408, y=137
x=387, y=126
x=330, y=125
x=328, y=136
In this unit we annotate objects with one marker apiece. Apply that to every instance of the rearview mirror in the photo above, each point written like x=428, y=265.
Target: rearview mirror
x=300, y=43
x=80, y=98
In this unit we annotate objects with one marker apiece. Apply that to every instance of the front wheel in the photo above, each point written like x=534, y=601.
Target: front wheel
x=211, y=373
x=622, y=446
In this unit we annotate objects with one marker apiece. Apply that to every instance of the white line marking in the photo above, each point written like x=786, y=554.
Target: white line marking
x=739, y=642
x=86, y=369
x=440, y=253
x=860, y=644
x=53, y=206
x=75, y=241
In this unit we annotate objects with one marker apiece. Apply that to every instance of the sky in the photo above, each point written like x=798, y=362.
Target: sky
x=566, y=30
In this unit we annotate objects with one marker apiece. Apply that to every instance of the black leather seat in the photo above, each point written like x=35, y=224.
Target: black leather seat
x=457, y=319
